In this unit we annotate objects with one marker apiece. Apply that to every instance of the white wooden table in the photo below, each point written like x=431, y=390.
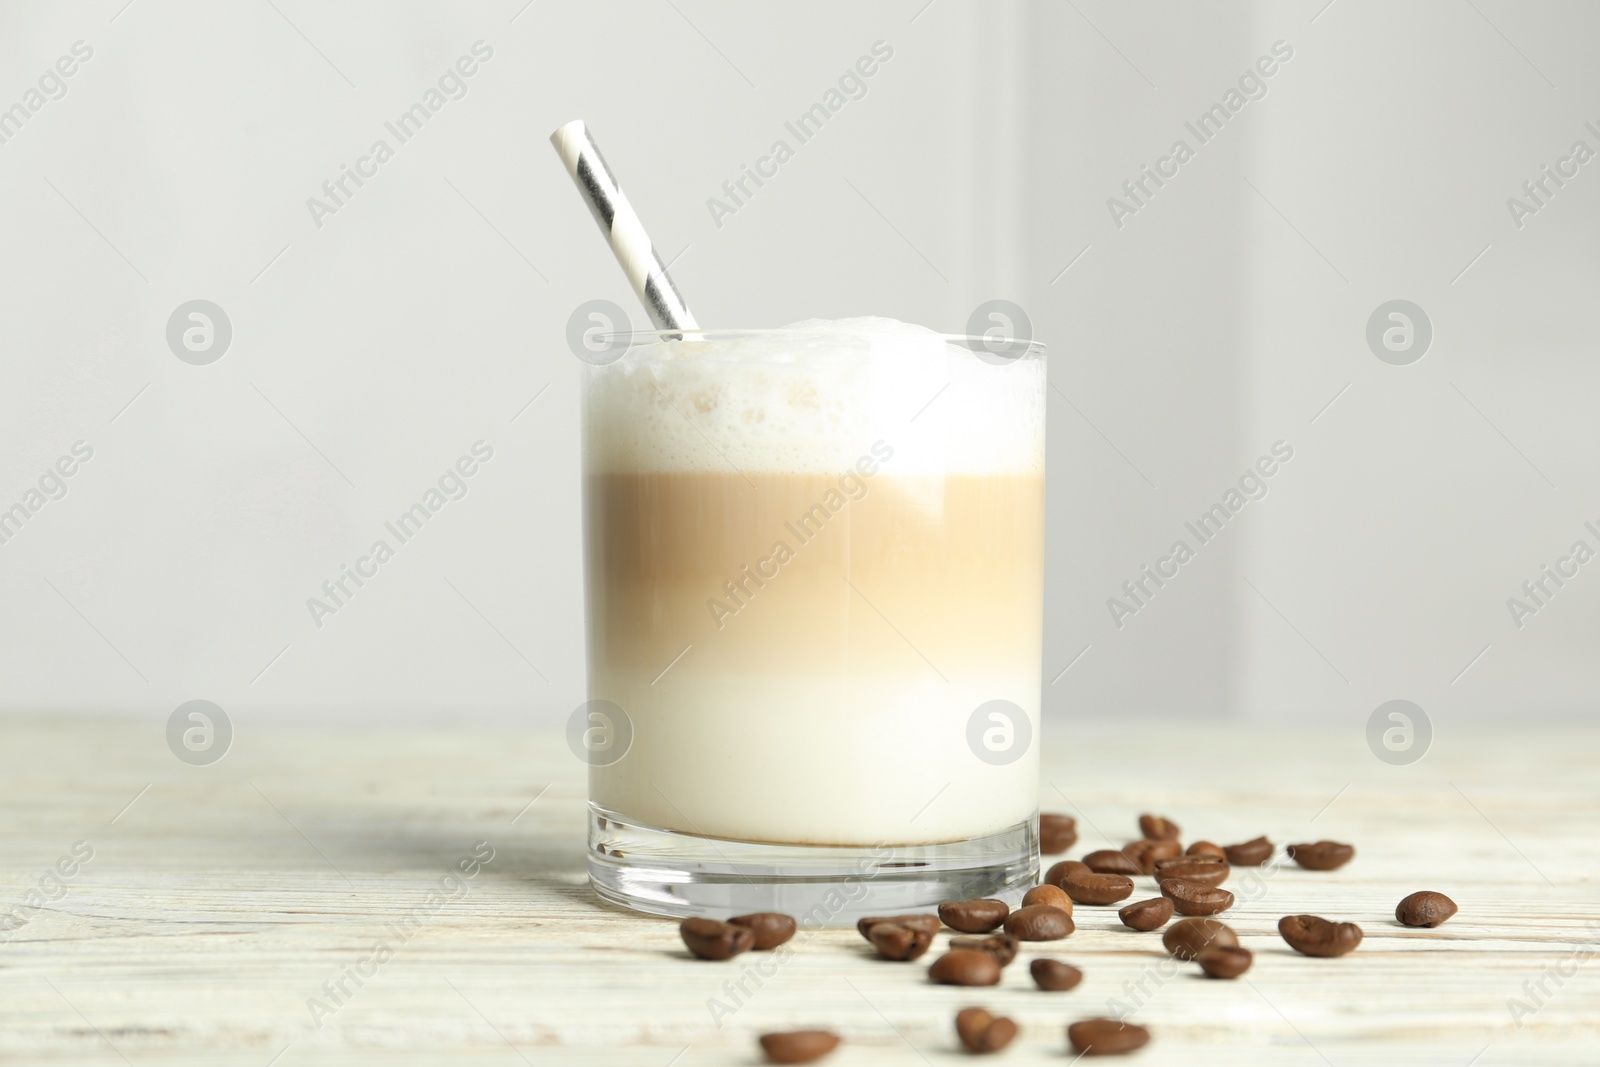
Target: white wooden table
x=222, y=899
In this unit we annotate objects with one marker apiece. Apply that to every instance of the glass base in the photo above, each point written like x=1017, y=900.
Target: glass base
x=664, y=872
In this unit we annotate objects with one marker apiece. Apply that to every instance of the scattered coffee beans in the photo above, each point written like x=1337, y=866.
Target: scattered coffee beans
x=771, y=928
x=1322, y=856
x=711, y=940
x=1156, y=828
x=1057, y=833
x=1205, y=848
x=1187, y=938
x=1146, y=853
x=1003, y=947
x=1426, y=908
x=1057, y=874
x=1086, y=887
x=1053, y=976
x=1146, y=914
x=981, y=1032
x=1110, y=861
x=896, y=942
x=1316, y=936
x=929, y=923
x=965, y=967
x=799, y=1046
x=1227, y=962
x=1192, y=898
x=1106, y=1037
x=1052, y=895
x=974, y=916
x=1207, y=870
x=1250, y=853
x=1039, y=922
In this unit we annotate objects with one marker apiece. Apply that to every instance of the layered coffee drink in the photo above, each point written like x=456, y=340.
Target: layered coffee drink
x=814, y=581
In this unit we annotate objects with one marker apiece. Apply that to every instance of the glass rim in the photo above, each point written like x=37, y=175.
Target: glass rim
x=973, y=342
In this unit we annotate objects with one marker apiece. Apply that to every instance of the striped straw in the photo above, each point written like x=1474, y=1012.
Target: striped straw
x=619, y=223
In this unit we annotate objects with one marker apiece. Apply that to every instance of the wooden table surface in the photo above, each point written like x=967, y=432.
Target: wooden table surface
x=219, y=902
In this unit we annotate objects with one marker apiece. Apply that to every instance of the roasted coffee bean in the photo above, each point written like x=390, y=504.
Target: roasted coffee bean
x=1322, y=856
x=974, y=916
x=929, y=923
x=1053, y=976
x=1003, y=947
x=1187, y=938
x=965, y=967
x=1146, y=914
x=1110, y=861
x=1316, y=936
x=1156, y=828
x=1086, y=887
x=1426, y=908
x=1106, y=1037
x=1249, y=853
x=1052, y=895
x=1228, y=962
x=1039, y=922
x=1205, y=848
x=981, y=1032
x=1207, y=870
x=1192, y=898
x=896, y=942
x=1145, y=854
x=1058, y=872
x=799, y=1046
x=770, y=927
x=1057, y=833
x=711, y=940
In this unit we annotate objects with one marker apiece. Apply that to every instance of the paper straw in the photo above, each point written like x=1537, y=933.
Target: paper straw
x=622, y=227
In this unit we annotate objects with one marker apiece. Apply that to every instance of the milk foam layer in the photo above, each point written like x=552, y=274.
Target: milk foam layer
x=812, y=397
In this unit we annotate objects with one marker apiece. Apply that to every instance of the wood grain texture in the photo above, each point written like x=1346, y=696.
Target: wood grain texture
x=220, y=902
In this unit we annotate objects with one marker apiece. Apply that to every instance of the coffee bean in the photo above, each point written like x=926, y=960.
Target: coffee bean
x=1106, y=1037
x=1316, y=936
x=1003, y=947
x=1205, y=848
x=711, y=940
x=1146, y=914
x=1053, y=976
x=799, y=1046
x=1039, y=922
x=974, y=916
x=1058, y=872
x=1155, y=828
x=1146, y=853
x=1207, y=870
x=1426, y=908
x=896, y=942
x=1226, y=962
x=770, y=927
x=1192, y=898
x=929, y=923
x=1057, y=833
x=981, y=1032
x=1322, y=856
x=1250, y=853
x=965, y=967
x=1187, y=938
x=1110, y=861
x=1052, y=895
x=1086, y=887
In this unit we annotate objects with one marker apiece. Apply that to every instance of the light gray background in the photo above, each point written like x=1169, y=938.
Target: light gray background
x=1229, y=313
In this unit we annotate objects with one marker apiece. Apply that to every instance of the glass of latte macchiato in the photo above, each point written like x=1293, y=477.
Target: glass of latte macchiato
x=813, y=563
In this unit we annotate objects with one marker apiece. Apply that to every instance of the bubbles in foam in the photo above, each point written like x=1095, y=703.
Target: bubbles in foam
x=813, y=397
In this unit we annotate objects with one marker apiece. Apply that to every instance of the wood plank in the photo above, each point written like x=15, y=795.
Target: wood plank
x=220, y=902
